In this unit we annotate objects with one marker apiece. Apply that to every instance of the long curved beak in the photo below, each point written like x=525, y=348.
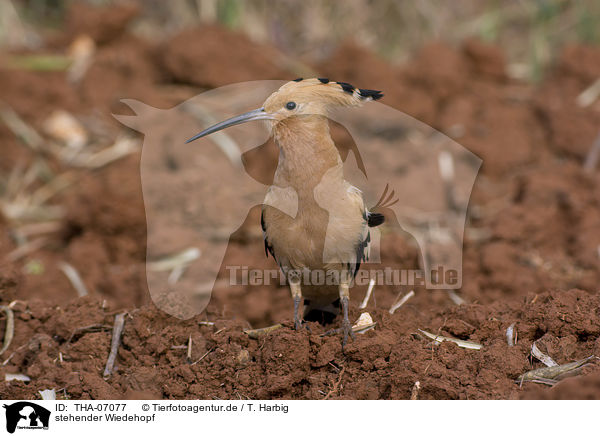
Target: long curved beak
x=256, y=114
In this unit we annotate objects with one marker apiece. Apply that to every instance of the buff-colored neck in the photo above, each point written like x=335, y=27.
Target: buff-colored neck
x=306, y=152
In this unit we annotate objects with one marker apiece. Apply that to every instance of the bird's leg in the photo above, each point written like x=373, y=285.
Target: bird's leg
x=344, y=299
x=297, y=296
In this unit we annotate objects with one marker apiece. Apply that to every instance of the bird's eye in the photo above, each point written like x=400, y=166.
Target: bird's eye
x=290, y=105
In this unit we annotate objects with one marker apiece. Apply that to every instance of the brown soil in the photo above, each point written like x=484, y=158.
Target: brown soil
x=531, y=250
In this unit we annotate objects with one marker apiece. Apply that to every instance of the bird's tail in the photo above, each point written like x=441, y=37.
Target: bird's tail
x=386, y=200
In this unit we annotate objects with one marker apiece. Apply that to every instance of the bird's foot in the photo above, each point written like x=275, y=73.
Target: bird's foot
x=345, y=330
x=301, y=324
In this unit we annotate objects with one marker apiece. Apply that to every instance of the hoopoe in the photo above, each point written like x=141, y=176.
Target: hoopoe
x=312, y=219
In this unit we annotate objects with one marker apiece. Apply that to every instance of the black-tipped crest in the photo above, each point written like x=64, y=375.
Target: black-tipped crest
x=360, y=93
x=346, y=87
x=366, y=93
x=363, y=93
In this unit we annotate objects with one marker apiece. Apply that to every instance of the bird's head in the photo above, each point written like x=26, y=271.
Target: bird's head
x=300, y=97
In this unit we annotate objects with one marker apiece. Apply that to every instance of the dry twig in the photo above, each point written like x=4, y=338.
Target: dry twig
x=170, y=262
x=456, y=299
x=463, y=344
x=367, y=295
x=48, y=394
x=553, y=374
x=27, y=248
x=21, y=130
x=544, y=358
x=189, y=349
x=591, y=160
x=10, y=328
x=256, y=333
x=203, y=356
x=510, y=335
x=88, y=329
x=400, y=303
x=16, y=377
x=589, y=95
x=74, y=278
x=116, y=342
x=336, y=385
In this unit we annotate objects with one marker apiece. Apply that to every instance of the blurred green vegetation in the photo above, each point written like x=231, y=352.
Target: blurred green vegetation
x=531, y=32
